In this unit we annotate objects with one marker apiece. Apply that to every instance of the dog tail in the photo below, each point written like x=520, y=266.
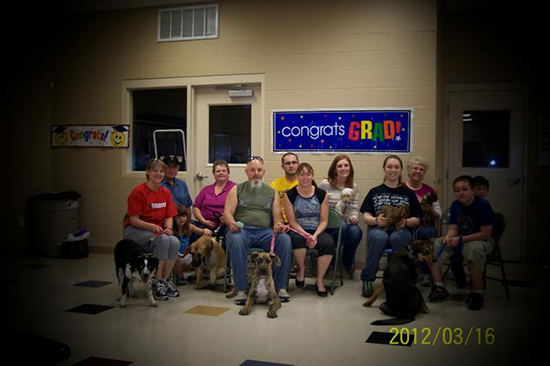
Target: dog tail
x=393, y=321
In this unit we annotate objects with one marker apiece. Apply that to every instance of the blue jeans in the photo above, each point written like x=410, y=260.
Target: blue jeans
x=426, y=232
x=378, y=240
x=351, y=237
x=238, y=243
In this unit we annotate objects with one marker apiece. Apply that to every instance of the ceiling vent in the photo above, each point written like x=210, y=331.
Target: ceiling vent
x=188, y=23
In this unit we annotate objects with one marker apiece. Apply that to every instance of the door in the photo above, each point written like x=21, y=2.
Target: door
x=227, y=128
x=486, y=137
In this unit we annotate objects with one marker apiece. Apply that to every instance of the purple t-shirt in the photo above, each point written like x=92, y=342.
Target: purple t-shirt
x=210, y=204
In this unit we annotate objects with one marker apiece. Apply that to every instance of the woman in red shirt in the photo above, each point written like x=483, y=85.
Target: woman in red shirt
x=150, y=224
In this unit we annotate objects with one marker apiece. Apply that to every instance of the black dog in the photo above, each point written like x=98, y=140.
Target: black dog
x=132, y=262
x=403, y=299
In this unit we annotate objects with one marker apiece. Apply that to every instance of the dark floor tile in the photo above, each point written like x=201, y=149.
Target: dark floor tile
x=98, y=361
x=262, y=363
x=91, y=309
x=392, y=339
x=93, y=283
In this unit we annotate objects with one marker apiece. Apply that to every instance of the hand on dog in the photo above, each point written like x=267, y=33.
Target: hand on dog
x=207, y=232
x=401, y=224
x=382, y=221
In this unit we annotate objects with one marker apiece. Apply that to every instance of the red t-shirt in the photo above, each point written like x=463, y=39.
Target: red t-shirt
x=151, y=206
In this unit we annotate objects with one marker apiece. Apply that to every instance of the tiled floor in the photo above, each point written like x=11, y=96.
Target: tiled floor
x=44, y=296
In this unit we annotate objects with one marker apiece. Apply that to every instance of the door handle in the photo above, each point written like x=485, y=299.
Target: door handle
x=200, y=176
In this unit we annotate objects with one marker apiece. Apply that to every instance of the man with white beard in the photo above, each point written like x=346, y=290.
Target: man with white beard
x=250, y=209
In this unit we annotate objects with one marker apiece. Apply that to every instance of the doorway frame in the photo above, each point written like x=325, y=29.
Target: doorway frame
x=191, y=84
x=487, y=87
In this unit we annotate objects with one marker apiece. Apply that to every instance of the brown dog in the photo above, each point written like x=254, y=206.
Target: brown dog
x=430, y=216
x=394, y=215
x=207, y=254
x=262, y=288
x=403, y=299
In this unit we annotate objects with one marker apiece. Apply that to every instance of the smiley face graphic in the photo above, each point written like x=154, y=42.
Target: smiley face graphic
x=118, y=138
x=61, y=136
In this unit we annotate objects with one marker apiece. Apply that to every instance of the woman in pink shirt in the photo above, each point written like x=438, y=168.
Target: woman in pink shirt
x=416, y=171
x=209, y=204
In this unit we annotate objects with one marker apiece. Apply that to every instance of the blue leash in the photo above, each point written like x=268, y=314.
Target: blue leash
x=457, y=250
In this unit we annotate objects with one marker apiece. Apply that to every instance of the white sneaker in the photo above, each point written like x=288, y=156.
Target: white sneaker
x=240, y=298
x=283, y=295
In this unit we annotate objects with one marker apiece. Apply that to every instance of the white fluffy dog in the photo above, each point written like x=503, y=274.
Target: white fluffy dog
x=344, y=205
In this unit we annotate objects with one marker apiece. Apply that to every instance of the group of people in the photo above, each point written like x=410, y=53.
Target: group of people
x=291, y=214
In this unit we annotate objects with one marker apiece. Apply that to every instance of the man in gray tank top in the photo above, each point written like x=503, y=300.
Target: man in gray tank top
x=252, y=213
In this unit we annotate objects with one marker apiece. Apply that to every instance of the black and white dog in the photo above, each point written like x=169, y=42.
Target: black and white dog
x=132, y=262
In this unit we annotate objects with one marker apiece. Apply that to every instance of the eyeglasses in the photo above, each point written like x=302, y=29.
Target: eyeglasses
x=255, y=158
x=289, y=163
x=305, y=175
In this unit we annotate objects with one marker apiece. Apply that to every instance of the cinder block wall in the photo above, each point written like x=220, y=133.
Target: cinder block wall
x=314, y=54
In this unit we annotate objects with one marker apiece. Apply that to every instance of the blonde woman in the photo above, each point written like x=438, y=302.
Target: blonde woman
x=150, y=223
x=307, y=212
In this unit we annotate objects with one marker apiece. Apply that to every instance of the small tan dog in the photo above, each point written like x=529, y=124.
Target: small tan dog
x=207, y=254
x=394, y=215
x=262, y=288
x=344, y=205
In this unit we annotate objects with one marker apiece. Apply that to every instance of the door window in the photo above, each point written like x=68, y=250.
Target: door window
x=229, y=133
x=486, y=136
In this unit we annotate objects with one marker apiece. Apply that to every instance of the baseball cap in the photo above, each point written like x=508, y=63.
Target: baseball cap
x=171, y=159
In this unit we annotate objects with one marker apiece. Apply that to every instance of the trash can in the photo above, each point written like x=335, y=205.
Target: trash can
x=54, y=216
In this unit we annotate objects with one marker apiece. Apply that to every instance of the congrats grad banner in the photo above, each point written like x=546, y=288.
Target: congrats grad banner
x=372, y=131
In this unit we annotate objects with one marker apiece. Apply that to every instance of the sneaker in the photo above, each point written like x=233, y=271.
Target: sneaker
x=475, y=301
x=426, y=280
x=240, y=298
x=171, y=289
x=159, y=291
x=438, y=293
x=367, y=289
x=283, y=295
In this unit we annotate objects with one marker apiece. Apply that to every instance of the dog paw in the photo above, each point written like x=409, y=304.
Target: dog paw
x=271, y=314
x=244, y=312
x=368, y=303
x=122, y=305
x=154, y=304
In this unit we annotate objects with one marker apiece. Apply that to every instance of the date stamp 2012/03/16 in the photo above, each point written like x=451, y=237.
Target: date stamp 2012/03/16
x=456, y=336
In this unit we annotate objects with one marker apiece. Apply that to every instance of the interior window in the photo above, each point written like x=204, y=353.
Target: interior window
x=155, y=109
x=486, y=136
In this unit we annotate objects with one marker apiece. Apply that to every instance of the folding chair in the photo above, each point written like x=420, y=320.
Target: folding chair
x=495, y=258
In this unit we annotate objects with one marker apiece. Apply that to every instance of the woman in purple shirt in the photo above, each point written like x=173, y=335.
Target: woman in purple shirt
x=210, y=202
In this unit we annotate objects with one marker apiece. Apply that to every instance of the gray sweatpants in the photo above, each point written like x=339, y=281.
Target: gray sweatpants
x=163, y=246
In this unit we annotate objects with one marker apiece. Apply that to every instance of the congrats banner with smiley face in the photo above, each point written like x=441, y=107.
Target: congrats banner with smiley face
x=111, y=136
x=372, y=131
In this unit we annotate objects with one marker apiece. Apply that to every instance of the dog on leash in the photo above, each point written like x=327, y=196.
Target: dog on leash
x=262, y=287
x=395, y=214
x=344, y=205
x=208, y=255
x=132, y=263
x=403, y=299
